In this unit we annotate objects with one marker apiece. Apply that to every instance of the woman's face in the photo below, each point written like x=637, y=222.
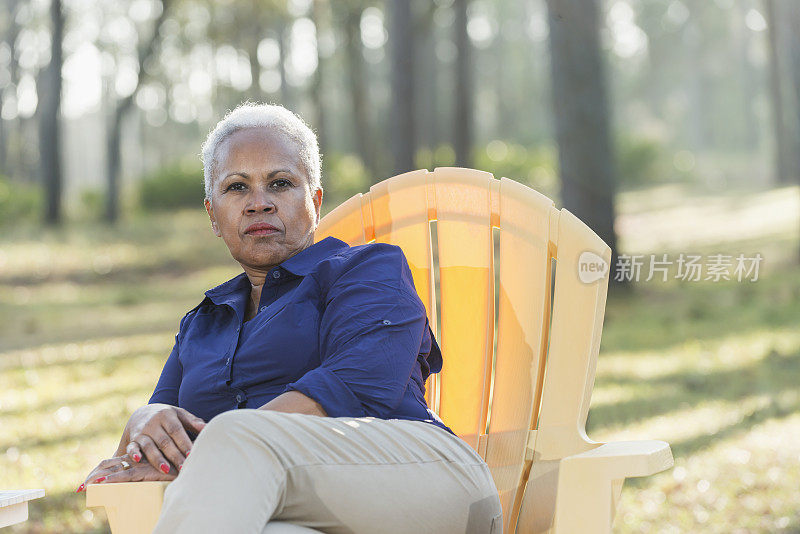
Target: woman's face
x=260, y=180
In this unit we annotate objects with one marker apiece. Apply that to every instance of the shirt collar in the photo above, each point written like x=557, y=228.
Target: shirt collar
x=300, y=264
x=304, y=261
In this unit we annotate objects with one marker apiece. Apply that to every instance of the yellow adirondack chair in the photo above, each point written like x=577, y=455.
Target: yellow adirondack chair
x=515, y=385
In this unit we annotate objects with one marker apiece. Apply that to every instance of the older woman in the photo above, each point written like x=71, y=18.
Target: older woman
x=298, y=385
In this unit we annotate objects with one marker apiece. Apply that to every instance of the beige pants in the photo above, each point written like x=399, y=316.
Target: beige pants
x=258, y=471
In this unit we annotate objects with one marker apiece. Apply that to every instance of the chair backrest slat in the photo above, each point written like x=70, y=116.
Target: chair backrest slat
x=578, y=311
x=523, y=317
x=466, y=285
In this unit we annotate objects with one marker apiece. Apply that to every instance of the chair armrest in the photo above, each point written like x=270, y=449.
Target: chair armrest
x=585, y=500
x=131, y=507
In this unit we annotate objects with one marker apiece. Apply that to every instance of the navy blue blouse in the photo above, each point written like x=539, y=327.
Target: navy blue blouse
x=342, y=325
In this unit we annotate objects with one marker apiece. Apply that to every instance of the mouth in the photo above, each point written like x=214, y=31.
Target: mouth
x=260, y=229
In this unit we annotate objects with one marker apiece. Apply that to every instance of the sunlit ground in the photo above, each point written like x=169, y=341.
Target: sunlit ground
x=87, y=318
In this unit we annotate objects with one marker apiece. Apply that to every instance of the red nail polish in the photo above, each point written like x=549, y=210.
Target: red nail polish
x=100, y=480
x=164, y=467
x=80, y=488
x=180, y=467
x=136, y=458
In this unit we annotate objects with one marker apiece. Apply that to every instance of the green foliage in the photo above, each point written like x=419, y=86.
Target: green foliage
x=18, y=201
x=532, y=166
x=178, y=186
x=92, y=203
x=643, y=162
x=343, y=177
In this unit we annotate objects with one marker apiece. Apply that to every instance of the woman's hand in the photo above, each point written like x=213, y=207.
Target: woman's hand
x=160, y=432
x=113, y=470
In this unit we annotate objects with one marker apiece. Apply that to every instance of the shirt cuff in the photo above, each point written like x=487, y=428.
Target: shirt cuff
x=322, y=385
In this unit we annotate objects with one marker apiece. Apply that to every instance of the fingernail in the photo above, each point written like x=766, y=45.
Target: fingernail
x=100, y=480
x=187, y=452
x=164, y=467
x=180, y=467
x=136, y=458
x=80, y=488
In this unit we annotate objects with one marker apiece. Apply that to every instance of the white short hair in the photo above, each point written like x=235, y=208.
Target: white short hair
x=272, y=117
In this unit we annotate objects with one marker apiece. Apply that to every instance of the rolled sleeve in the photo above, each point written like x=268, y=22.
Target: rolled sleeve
x=371, y=333
x=325, y=387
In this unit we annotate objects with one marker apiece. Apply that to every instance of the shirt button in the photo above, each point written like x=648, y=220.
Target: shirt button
x=276, y=274
x=387, y=321
x=263, y=308
x=239, y=397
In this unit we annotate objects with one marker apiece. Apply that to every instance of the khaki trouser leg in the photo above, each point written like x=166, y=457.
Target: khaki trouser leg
x=335, y=475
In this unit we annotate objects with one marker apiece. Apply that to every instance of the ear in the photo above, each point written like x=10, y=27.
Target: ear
x=210, y=210
x=316, y=197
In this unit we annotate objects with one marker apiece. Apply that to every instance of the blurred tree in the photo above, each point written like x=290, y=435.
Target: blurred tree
x=426, y=121
x=748, y=76
x=580, y=106
x=700, y=120
x=792, y=8
x=10, y=30
x=463, y=133
x=320, y=15
x=348, y=15
x=776, y=98
x=146, y=49
x=49, y=88
x=402, y=78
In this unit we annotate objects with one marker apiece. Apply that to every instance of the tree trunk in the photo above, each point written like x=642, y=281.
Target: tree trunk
x=582, y=120
x=776, y=102
x=319, y=15
x=427, y=119
x=748, y=77
x=114, y=135
x=49, y=90
x=255, y=67
x=402, y=67
x=793, y=21
x=359, y=98
x=462, y=138
x=11, y=33
x=283, y=56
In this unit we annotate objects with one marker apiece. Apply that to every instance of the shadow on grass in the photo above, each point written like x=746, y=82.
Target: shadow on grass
x=61, y=512
x=76, y=401
x=772, y=374
x=689, y=446
x=103, y=332
x=658, y=318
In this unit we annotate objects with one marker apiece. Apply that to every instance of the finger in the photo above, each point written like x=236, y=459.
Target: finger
x=152, y=453
x=166, y=438
x=174, y=427
x=190, y=421
x=134, y=451
x=138, y=473
x=106, y=467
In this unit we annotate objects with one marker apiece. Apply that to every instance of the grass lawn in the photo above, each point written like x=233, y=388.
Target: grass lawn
x=87, y=317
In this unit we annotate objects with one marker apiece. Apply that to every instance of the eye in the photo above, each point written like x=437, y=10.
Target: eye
x=235, y=186
x=281, y=183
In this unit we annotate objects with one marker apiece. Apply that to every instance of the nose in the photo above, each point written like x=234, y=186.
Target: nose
x=260, y=201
